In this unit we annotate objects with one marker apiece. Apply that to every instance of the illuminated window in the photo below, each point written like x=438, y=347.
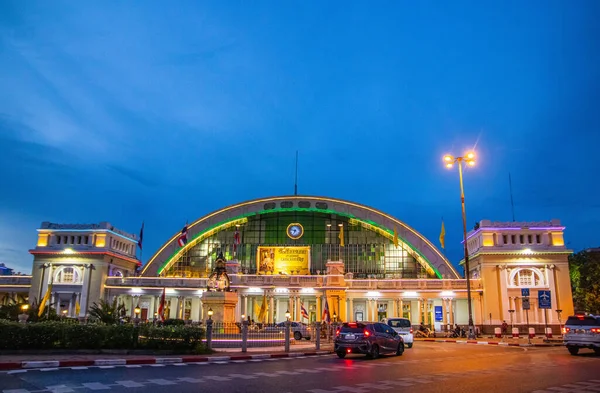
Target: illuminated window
x=527, y=278
x=67, y=275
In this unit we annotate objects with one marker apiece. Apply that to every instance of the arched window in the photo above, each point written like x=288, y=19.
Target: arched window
x=527, y=278
x=67, y=275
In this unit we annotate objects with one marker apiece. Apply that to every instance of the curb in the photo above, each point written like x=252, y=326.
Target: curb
x=503, y=344
x=44, y=364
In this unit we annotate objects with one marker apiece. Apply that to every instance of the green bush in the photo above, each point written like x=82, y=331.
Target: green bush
x=59, y=335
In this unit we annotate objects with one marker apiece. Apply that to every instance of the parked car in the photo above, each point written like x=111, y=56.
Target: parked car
x=369, y=338
x=403, y=327
x=582, y=331
x=298, y=330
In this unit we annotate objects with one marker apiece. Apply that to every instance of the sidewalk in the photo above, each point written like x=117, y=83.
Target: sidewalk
x=538, y=341
x=53, y=360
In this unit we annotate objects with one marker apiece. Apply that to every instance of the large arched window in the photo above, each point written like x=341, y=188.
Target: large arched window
x=67, y=275
x=526, y=278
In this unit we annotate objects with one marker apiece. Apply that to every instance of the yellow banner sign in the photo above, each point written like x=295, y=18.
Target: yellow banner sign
x=283, y=260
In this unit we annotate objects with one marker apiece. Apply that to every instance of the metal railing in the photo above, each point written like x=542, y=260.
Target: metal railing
x=246, y=335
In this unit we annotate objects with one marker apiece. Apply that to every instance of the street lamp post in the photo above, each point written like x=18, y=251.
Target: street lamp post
x=287, y=331
x=137, y=312
x=469, y=158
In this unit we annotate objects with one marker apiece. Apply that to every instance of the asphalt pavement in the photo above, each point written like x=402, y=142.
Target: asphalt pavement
x=428, y=367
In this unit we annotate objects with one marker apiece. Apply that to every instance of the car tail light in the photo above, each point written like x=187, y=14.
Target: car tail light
x=367, y=333
x=411, y=331
x=595, y=330
x=337, y=332
x=348, y=350
x=566, y=330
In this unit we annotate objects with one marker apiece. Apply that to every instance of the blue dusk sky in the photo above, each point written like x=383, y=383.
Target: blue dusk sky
x=165, y=111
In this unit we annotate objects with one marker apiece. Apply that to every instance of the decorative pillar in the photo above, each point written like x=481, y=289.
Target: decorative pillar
x=246, y=306
x=351, y=316
x=420, y=311
x=401, y=308
x=195, y=314
x=271, y=310
x=521, y=311
x=451, y=312
x=444, y=311
x=553, y=292
x=298, y=316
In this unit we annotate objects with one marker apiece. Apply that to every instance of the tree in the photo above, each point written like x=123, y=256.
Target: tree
x=108, y=313
x=584, y=268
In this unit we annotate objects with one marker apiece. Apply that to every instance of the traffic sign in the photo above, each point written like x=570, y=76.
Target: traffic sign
x=524, y=292
x=526, y=305
x=544, y=299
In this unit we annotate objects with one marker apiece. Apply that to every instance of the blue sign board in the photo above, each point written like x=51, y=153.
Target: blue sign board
x=544, y=299
x=438, y=314
x=524, y=291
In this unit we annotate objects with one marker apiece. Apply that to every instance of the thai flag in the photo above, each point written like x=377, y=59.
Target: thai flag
x=161, y=307
x=303, y=311
x=182, y=241
x=326, y=317
x=236, y=239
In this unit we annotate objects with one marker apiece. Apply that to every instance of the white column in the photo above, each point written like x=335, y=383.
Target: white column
x=172, y=308
x=195, y=314
x=200, y=309
x=504, y=294
x=391, y=311
x=401, y=308
x=246, y=306
x=420, y=311
x=351, y=316
x=238, y=308
x=271, y=305
x=290, y=308
x=521, y=311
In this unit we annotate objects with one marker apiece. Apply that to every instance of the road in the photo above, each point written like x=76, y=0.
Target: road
x=428, y=367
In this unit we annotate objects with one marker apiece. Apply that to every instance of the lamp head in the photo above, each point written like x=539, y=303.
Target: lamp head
x=287, y=314
x=25, y=307
x=210, y=312
x=137, y=310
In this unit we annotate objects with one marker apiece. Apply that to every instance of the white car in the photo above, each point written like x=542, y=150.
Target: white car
x=403, y=327
x=582, y=331
x=298, y=330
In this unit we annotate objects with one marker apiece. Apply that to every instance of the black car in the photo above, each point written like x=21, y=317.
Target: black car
x=369, y=338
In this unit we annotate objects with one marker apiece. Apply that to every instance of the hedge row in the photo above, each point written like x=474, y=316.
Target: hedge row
x=58, y=335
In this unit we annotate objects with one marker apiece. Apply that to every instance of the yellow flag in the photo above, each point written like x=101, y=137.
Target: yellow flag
x=395, y=237
x=44, y=300
x=262, y=315
x=443, y=235
x=77, y=308
x=342, y=236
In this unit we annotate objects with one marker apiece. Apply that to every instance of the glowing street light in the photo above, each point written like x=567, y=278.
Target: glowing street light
x=468, y=159
x=288, y=315
x=210, y=313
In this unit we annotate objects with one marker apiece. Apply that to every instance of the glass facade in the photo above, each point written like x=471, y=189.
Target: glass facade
x=366, y=253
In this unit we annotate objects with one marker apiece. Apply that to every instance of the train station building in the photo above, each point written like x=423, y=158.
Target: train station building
x=291, y=253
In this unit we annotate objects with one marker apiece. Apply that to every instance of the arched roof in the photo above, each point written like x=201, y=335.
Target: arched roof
x=421, y=248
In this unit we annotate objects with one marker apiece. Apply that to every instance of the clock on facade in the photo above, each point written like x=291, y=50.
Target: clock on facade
x=295, y=231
